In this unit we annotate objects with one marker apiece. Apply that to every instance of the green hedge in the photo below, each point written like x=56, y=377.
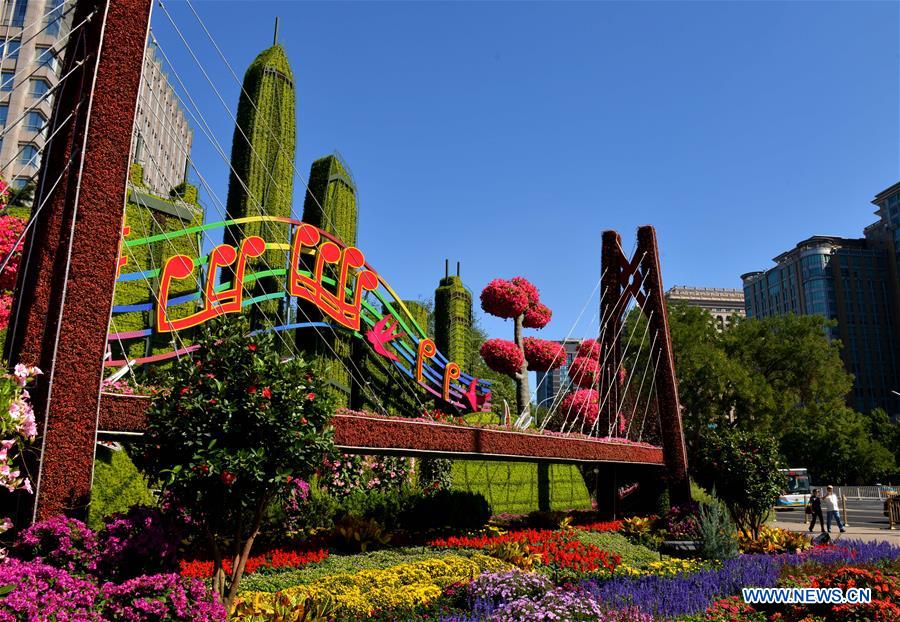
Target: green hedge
x=511, y=487
x=118, y=486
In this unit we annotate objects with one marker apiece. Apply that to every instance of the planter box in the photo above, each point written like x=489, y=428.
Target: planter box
x=414, y=437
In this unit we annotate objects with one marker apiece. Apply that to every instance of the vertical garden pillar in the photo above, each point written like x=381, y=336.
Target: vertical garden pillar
x=69, y=264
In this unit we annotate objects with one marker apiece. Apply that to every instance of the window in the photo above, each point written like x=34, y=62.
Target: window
x=45, y=57
x=54, y=17
x=28, y=155
x=6, y=81
x=36, y=121
x=20, y=182
x=9, y=49
x=39, y=87
x=4, y=112
x=14, y=13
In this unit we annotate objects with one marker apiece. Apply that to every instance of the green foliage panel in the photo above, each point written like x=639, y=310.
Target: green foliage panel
x=511, y=487
x=118, y=486
x=143, y=222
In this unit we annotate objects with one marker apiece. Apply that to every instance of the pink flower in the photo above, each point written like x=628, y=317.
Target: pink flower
x=502, y=356
x=543, y=355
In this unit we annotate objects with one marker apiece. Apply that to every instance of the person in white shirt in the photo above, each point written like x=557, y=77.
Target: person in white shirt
x=831, y=506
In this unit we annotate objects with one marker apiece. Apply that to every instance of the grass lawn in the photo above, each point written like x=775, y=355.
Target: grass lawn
x=511, y=487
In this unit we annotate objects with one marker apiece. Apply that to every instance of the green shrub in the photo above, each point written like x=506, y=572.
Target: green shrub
x=447, y=508
x=634, y=555
x=743, y=468
x=117, y=487
x=717, y=537
x=384, y=506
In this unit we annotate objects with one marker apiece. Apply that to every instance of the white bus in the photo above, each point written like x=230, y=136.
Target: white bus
x=796, y=492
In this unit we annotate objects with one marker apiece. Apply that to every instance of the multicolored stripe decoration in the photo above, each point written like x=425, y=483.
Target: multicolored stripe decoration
x=322, y=271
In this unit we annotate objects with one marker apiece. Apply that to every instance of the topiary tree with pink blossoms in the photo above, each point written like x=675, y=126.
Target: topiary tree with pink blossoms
x=519, y=300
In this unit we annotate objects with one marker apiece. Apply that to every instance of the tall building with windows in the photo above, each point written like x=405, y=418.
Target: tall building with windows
x=551, y=384
x=32, y=38
x=851, y=281
x=720, y=302
x=162, y=139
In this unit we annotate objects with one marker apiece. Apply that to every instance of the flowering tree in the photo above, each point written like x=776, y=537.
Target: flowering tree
x=519, y=300
x=17, y=429
x=234, y=431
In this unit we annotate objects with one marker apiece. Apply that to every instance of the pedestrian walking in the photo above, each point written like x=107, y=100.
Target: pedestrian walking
x=832, y=510
x=814, y=509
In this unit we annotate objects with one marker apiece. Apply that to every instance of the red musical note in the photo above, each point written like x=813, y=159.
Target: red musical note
x=381, y=334
x=334, y=304
x=426, y=349
x=216, y=303
x=451, y=372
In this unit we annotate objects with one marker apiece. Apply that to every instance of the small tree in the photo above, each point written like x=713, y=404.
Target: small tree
x=234, y=428
x=519, y=301
x=743, y=468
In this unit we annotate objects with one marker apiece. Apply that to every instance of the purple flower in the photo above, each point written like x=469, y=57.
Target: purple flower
x=61, y=542
x=42, y=592
x=142, y=541
x=502, y=587
x=161, y=597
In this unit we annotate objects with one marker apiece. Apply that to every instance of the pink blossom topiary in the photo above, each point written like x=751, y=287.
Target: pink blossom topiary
x=537, y=316
x=584, y=372
x=543, y=355
x=504, y=299
x=583, y=404
x=502, y=356
x=589, y=348
x=528, y=288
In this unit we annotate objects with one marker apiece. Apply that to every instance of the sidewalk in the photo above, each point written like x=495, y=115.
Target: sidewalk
x=865, y=533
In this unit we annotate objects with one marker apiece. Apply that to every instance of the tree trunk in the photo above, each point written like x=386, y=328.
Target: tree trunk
x=523, y=394
x=523, y=407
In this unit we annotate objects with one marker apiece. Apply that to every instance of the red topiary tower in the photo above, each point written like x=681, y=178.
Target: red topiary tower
x=519, y=300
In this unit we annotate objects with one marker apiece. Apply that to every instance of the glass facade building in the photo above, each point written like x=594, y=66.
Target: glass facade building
x=552, y=384
x=853, y=282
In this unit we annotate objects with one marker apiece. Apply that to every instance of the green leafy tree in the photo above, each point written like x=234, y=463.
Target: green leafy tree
x=743, y=468
x=840, y=448
x=233, y=429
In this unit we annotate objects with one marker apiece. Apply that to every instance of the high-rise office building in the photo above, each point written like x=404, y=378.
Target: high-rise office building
x=33, y=35
x=851, y=281
x=162, y=136
x=552, y=384
x=720, y=302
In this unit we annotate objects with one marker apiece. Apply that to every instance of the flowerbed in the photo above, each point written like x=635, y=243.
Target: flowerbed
x=559, y=550
x=363, y=593
x=278, y=558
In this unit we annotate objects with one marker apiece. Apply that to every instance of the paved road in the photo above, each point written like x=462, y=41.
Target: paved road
x=859, y=514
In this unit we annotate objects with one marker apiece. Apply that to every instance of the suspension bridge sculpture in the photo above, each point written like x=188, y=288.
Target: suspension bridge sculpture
x=73, y=259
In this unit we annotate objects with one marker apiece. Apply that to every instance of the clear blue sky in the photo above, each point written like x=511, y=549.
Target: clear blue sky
x=510, y=135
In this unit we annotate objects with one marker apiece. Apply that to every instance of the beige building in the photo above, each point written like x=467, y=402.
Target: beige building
x=720, y=302
x=162, y=136
x=32, y=37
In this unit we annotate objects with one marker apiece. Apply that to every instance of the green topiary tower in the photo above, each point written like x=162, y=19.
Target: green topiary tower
x=452, y=324
x=331, y=205
x=261, y=182
x=452, y=317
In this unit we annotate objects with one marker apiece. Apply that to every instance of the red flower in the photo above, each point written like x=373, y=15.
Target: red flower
x=252, y=390
x=310, y=396
x=266, y=392
x=543, y=355
x=537, y=316
x=583, y=404
x=228, y=478
x=589, y=348
x=184, y=391
x=528, y=288
x=502, y=356
x=251, y=347
x=303, y=421
x=584, y=372
x=212, y=402
x=504, y=299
